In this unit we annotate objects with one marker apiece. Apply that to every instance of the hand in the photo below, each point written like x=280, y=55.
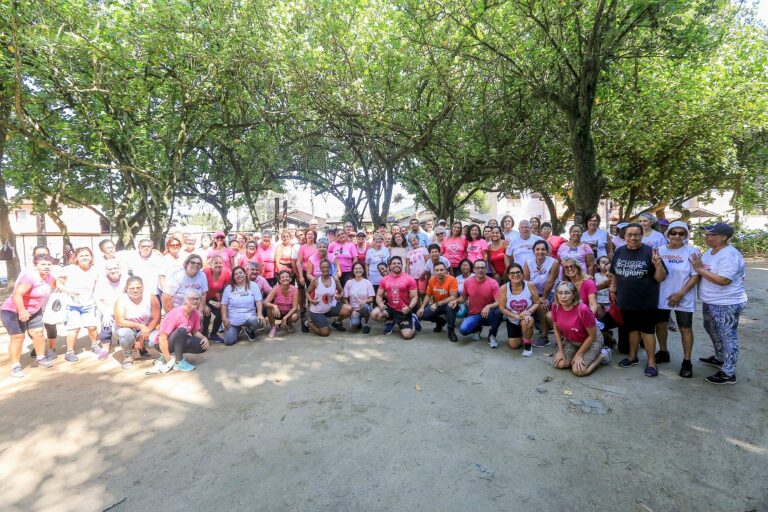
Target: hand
x=23, y=315
x=204, y=344
x=674, y=300
x=559, y=356
x=145, y=331
x=656, y=258
x=577, y=363
x=452, y=304
x=420, y=312
x=216, y=303
x=434, y=307
x=486, y=310
x=106, y=322
x=696, y=261
x=261, y=320
x=205, y=310
x=225, y=323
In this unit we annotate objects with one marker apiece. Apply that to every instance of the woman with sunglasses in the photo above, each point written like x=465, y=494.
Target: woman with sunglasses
x=361, y=246
x=579, y=341
x=577, y=250
x=345, y=253
x=172, y=260
x=191, y=278
x=677, y=293
x=79, y=281
x=573, y=273
x=220, y=248
x=518, y=302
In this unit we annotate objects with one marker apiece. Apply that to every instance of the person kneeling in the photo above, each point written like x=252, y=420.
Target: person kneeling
x=580, y=349
x=396, y=300
x=324, y=296
x=180, y=332
x=441, y=289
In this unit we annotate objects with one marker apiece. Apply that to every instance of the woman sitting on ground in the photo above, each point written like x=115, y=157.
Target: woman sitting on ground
x=241, y=307
x=282, y=303
x=323, y=295
x=180, y=333
x=579, y=342
x=137, y=315
x=542, y=270
x=518, y=302
x=572, y=272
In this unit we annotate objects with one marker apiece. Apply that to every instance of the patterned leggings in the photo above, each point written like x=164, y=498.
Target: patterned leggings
x=721, y=322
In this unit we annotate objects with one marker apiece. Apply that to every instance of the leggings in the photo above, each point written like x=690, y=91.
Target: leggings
x=180, y=343
x=721, y=323
x=50, y=331
x=216, y=315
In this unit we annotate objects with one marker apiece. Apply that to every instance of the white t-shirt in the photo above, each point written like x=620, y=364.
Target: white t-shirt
x=240, y=302
x=599, y=239
x=655, y=239
x=180, y=283
x=728, y=262
x=106, y=294
x=81, y=281
x=430, y=267
x=358, y=292
x=148, y=269
x=372, y=259
x=522, y=250
x=679, y=269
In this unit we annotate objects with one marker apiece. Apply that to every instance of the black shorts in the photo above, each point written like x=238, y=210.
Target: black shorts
x=514, y=330
x=14, y=326
x=684, y=318
x=322, y=319
x=643, y=320
x=403, y=320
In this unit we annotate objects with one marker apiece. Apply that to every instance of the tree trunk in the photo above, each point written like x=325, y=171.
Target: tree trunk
x=6, y=233
x=587, y=180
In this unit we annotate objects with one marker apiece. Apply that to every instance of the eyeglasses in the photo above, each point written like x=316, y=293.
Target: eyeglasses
x=193, y=299
x=174, y=245
x=220, y=238
x=676, y=233
x=570, y=267
x=480, y=268
x=145, y=247
x=196, y=263
x=515, y=273
x=632, y=235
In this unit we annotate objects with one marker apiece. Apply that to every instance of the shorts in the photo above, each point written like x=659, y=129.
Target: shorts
x=403, y=320
x=14, y=326
x=684, y=318
x=514, y=330
x=570, y=348
x=422, y=286
x=643, y=320
x=321, y=319
x=81, y=316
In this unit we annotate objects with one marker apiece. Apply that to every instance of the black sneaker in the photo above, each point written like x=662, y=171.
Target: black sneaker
x=686, y=370
x=439, y=324
x=711, y=361
x=305, y=326
x=662, y=356
x=366, y=329
x=338, y=326
x=452, y=335
x=721, y=378
x=627, y=362
x=540, y=342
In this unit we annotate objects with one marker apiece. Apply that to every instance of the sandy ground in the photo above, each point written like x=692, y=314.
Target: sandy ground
x=376, y=423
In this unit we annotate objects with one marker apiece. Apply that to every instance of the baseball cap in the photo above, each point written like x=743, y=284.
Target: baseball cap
x=441, y=222
x=678, y=224
x=663, y=222
x=720, y=228
x=361, y=233
x=218, y=234
x=622, y=224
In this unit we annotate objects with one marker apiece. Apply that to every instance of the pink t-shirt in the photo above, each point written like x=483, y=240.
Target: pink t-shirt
x=358, y=292
x=305, y=252
x=267, y=255
x=417, y=262
x=361, y=253
x=345, y=254
x=587, y=286
x=475, y=249
x=176, y=318
x=455, y=249
x=578, y=253
x=398, y=290
x=555, y=242
x=38, y=293
x=573, y=324
x=480, y=294
x=243, y=260
x=284, y=302
x=315, y=260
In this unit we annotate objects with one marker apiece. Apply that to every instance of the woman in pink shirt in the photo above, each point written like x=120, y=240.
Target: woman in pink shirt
x=283, y=253
x=282, y=303
x=266, y=251
x=361, y=245
x=579, y=341
x=454, y=247
x=217, y=278
x=220, y=248
x=250, y=255
x=586, y=287
x=345, y=253
x=477, y=247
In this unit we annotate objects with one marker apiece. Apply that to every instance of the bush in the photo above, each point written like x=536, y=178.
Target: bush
x=750, y=242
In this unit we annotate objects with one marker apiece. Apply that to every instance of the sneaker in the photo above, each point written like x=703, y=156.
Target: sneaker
x=338, y=326
x=416, y=322
x=366, y=329
x=96, y=349
x=476, y=336
x=439, y=324
x=127, y=363
x=45, y=363
x=389, y=327
x=650, y=371
x=184, y=366
x=248, y=334
x=541, y=342
x=711, y=361
x=606, y=353
x=672, y=324
x=103, y=355
x=70, y=357
x=452, y=335
x=17, y=372
x=686, y=370
x=626, y=362
x=143, y=353
x=272, y=332
x=721, y=378
x=527, y=350
x=305, y=326
x=492, y=342
x=662, y=356
x=217, y=339
x=50, y=354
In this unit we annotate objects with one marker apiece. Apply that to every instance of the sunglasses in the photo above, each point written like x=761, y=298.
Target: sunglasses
x=570, y=267
x=174, y=245
x=516, y=273
x=677, y=233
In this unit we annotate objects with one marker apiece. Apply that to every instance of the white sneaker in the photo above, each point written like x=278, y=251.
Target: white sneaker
x=492, y=342
x=527, y=351
x=476, y=336
x=606, y=353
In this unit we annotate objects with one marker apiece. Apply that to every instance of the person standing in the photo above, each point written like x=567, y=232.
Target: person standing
x=520, y=249
x=722, y=293
x=636, y=271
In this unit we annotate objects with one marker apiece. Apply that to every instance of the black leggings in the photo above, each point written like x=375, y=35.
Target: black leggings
x=50, y=331
x=216, y=315
x=180, y=343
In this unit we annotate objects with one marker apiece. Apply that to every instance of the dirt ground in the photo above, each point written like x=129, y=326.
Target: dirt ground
x=365, y=423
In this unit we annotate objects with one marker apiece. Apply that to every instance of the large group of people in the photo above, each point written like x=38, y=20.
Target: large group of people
x=581, y=288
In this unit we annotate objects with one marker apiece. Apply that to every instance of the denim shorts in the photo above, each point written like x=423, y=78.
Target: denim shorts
x=81, y=316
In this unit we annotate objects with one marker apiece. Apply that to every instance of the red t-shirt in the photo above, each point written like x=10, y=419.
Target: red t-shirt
x=587, y=286
x=555, y=242
x=573, y=324
x=398, y=290
x=215, y=287
x=497, y=260
x=480, y=294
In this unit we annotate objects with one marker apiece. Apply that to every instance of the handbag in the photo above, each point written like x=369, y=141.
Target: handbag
x=56, y=309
